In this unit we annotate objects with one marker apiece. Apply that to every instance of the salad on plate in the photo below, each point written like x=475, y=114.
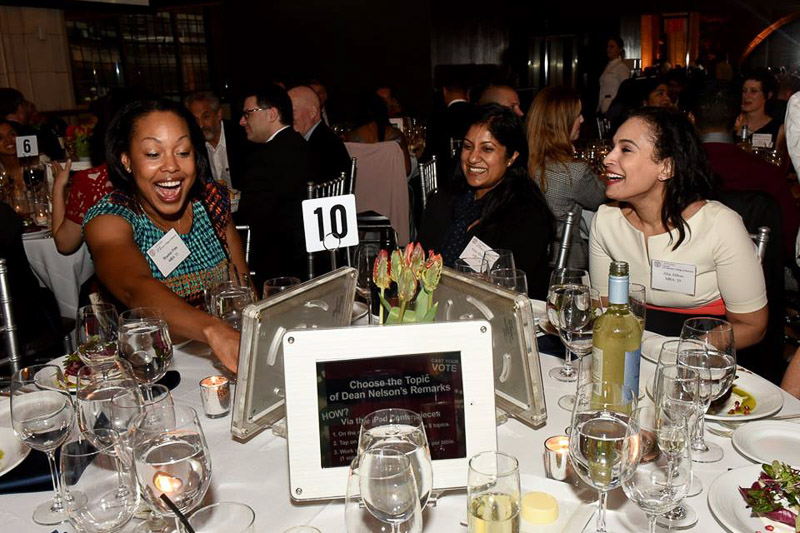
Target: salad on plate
x=775, y=495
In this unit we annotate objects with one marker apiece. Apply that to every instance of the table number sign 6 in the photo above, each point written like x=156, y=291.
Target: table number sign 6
x=330, y=223
x=27, y=146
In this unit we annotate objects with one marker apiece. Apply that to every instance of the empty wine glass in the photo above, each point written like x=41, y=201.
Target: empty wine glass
x=97, y=386
x=97, y=333
x=603, y=438
x=42, y=416
x=275, y=285
x=364, y=262
x=469, y=266
x=401, y=430
x=560, y=279
x=493, y=492
x=100, y=493
x=381, y=494
x=580, y=306
x=145, y=343
x=707, y=346
x=497, y=259
x=224, y=517
x=510, y=278
x=658, y=485
x=171, y=460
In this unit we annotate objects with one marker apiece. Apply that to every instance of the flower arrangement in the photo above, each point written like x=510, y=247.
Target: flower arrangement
x=77, y=140
x=416, y=279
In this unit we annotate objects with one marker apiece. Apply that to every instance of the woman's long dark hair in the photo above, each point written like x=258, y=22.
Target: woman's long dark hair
x=675, y=138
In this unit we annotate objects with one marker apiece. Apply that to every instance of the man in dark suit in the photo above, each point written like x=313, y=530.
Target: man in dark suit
x=449, y=124
x=330, y=155
x=226, y=143
x=276, y=171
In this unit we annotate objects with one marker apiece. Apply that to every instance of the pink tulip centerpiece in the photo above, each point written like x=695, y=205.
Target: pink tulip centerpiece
x=416, y=279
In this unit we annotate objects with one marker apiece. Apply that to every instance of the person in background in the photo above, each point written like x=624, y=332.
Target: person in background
x=654, y=92
x=494, y=200
x=372, y=126
x=318, y=87
x=226, y=143
x=658, y=174
x=164, y=193
x=328, y=150
x=502, y=95
x=791, y=378
x=614, y=74
x=569, y=185
x=15, y=109
x=449, y=123
x=9, y=163
x=393, y=105
x=758, y=88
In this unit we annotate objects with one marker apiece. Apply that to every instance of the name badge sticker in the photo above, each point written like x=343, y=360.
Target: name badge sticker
x=169, y=252
x=674, y=277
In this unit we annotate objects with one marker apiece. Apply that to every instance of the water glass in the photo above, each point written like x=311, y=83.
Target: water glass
x=97, y=333
x=493, y=492
x=275, y=285
x=144, y=342
x=364, y=262
x=510, y=278
x=224, y=517
x=97, y=386
x=560, y=279
x=229, y=305
x=580, y=307
x=497, y=259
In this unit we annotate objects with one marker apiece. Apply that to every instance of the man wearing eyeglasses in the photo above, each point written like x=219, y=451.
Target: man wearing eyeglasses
x=276, y=171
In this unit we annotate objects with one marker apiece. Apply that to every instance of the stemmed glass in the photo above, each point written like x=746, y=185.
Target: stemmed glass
x=707, y=346
x=276, y=285
x=496, y=259
x=401, y=430
x=381, y=490
x=100, y=492
x=637, y=300
x=659, y=485
x=97, y=386
x=580, y=306
x=42, y=416
x=677, y=392
x=560, y=279
x=364, y=258
x=510, y=278
x=145, y=343
x=229, y=304
x=493, y=492
x=172, y=460
x=97, y=333
x=604, y=437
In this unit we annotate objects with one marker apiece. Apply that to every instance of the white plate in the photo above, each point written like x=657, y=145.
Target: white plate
x=769, y=440
x=72, y=381
x=769, y=398
x=14, y=452
x=41, y=234
x=730, y=509
x=651, y=345
x=575, y=505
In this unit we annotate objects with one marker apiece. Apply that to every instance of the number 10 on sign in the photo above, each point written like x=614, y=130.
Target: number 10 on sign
x=330, y=223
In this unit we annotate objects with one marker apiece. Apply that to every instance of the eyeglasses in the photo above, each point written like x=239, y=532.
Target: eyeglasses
x=247, y=112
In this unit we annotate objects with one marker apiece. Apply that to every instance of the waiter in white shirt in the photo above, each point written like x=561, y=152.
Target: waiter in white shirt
x=615, y=73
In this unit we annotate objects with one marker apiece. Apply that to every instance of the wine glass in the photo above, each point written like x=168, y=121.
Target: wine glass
x=510, y=278
x=97, y=333
x=145, y=343
x=580, y=306
x=707, y=346
x=493, y=492
x=376, y=477
x=172, y=460
x=130, y=406
x=97, y=386
x=637, y=300
x=229, y=304
x=466, y=266
x=275, y=285
x=42, y=415
x=559, y=280
x=659, y=484
x=404, y=431
x=100, y=493
x=364, y=259
x=496, y=259
x=224, y=517
x=603, y=438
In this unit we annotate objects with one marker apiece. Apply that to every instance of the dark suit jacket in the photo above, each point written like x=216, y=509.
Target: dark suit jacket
x=238, y=147
x=330, y=155
x=273, y=186
x=448, y=123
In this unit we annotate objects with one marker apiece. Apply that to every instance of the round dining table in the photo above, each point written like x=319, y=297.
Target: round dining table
x=256, y=472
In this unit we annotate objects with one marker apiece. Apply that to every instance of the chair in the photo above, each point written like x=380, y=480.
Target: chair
x=566, y=241
x=244, y=235
x=455, y=146
x=9, y=326
x=761, y=239
x=326, y=189
x=428, y=179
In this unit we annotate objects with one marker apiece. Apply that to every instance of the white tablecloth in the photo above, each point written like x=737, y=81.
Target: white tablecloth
x=62, y=274
x=256, y=473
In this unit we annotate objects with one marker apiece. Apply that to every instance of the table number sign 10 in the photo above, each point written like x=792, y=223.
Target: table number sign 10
x=330, y=223
x=27, y=146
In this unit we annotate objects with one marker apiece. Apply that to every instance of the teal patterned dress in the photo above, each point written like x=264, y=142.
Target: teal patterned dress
x=206, y=241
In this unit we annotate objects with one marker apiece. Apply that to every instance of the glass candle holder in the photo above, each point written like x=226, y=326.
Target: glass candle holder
x=556, y=457
x=215, y=392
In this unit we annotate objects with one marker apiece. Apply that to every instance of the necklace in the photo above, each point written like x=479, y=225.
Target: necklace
x=180, y=220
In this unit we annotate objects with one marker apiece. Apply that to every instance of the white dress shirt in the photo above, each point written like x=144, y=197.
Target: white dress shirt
x=614, y=74
x=218, y=157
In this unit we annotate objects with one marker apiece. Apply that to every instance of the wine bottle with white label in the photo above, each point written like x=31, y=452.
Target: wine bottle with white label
x=617, y=338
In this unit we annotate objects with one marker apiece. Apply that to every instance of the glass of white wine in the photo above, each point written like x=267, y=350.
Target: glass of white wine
x=493, y=493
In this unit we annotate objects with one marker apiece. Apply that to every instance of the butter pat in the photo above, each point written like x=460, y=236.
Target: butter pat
x=539, y=508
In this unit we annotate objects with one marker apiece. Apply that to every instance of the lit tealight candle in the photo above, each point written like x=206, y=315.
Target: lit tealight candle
x=215, y=394
x=556, y=454
x=166, y=483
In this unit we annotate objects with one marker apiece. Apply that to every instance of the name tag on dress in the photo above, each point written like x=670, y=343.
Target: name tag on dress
x=761, y=140
x=169, y=252
x=674, y=277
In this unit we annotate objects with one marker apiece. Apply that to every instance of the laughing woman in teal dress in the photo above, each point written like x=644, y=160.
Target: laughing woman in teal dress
x=166, y=231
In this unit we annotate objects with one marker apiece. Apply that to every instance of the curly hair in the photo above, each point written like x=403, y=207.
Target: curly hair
x=549, y=125
x=674, y=138
x=123, y=126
